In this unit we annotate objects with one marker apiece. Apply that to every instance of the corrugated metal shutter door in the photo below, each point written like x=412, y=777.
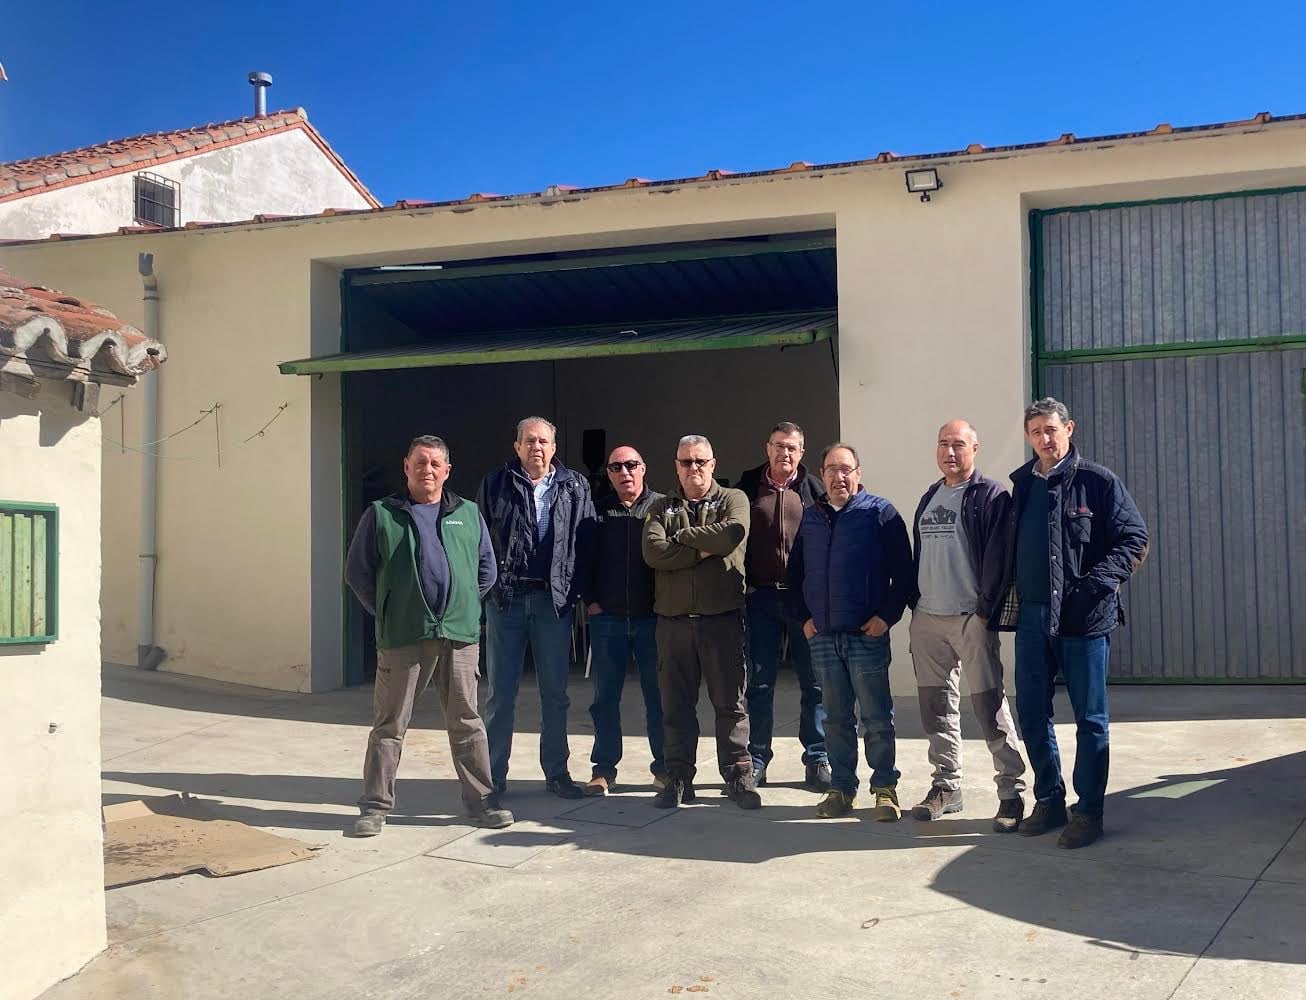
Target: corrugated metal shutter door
x=1211, y=449
x=1176, y=334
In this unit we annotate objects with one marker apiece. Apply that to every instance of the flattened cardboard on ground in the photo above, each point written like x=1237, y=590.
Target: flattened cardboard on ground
x=174, y=834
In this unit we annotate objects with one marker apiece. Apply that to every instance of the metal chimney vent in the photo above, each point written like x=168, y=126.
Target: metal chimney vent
x=260, y=82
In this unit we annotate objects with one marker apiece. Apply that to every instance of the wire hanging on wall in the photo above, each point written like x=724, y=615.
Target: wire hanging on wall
x=213, y=411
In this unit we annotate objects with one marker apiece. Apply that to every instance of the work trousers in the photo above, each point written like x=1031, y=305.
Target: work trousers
x=693, y=650
x=402, y=674
x=943, y=647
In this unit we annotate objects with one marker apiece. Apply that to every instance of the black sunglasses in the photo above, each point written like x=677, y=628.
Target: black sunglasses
x=695, y=463
x=630, y=465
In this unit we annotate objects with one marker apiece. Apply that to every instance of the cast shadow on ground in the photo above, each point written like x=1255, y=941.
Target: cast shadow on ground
x=1179, y=856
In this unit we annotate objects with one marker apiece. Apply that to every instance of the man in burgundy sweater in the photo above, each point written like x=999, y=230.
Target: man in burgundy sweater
x=779, y=491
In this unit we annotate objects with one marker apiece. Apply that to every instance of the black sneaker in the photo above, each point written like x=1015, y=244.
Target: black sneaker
x=1046, y=816
x=488, y=813
x=818, y=777
x=937, y=802
x=1010, y=813
x=742, y=790
x=563, y=787
x=1081, y=832
x=677, y=791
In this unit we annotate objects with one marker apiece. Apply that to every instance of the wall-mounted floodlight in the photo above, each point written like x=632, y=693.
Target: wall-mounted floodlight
x=922, y=182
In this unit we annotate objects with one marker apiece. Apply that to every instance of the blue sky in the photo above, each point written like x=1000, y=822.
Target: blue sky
x=440, y=100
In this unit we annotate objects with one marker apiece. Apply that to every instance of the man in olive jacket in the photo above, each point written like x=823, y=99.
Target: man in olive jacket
x=695, y=541
x=422, y=564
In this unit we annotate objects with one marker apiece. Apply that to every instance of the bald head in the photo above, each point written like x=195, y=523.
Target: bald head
x=626, y=473
x=958, y=442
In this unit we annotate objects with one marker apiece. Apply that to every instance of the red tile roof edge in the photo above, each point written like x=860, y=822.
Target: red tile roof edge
x=35, y=175
x=38, y=323
x=564, y=192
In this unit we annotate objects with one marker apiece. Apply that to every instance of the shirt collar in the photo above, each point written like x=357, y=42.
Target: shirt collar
x=1054, y=470
x=780, y=486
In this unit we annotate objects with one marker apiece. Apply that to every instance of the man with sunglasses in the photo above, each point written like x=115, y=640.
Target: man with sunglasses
x=779, y=490
x=850, y=576
x=695, y=541
x=619, y=598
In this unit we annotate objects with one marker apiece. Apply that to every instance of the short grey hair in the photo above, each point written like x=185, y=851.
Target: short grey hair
x=1047, y=407
x=787, y=427
x=525, y=422
x=689, y=440
x=429, y=441
x=835, y=447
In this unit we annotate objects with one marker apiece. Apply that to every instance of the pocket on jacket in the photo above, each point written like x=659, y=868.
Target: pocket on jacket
x=1085, y=610
x=1079, y=527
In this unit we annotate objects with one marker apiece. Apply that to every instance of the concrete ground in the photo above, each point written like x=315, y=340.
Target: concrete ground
x=1197, y=892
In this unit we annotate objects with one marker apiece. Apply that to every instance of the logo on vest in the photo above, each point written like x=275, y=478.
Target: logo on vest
x=460, y=524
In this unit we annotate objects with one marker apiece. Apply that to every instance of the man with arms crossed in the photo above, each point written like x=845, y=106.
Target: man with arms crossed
x=850, y=575
x=1074, y=537
x=424, y=560
x=695, y=541
x=621, y=622
x=960, y=533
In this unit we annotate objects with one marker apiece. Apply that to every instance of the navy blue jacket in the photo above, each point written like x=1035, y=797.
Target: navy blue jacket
x=849, y=566
x=985, y=507
x=506, y=502
x=1096, y=541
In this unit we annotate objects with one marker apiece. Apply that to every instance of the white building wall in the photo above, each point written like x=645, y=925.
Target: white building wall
x=933, y=314
x=280, y=174
x=51, y=850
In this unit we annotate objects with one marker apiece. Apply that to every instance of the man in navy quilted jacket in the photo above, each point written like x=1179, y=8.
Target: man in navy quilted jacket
x=850, y=576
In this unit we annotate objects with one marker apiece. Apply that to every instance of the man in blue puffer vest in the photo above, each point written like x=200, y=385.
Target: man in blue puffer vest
x=850, y=576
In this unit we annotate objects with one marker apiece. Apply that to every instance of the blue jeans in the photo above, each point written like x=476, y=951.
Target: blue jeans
x=529, y=617
x=854, y=672
x=613, y=641
x=767, y=627
x=1083, y=664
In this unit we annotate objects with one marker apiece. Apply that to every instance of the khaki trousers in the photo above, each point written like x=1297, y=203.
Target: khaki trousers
x=402, y=674
x=942, y=648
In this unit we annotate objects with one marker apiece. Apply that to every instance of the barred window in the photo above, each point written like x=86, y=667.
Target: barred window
x=158, y=200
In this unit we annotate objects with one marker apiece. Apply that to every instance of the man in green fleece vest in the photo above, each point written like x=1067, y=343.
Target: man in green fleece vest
x=422, y=564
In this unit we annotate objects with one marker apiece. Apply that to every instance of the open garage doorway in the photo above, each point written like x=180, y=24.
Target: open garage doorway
x=636, y=347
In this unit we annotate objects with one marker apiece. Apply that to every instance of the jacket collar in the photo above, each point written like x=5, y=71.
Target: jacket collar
x=859, y=499
x=560, y=472
x=449, y=501
x=713, y=493
x=1072, y=461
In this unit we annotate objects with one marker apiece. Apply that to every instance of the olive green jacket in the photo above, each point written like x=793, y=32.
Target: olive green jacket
x=698, y=561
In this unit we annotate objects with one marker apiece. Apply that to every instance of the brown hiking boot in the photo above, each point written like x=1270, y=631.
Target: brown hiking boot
x=1044, y=817
x=937, y=802
x=886, y=808
x=1081, y=832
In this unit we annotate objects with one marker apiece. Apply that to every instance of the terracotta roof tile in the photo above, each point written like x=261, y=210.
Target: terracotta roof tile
x=23, y=177
x=800, y=166
x=40, y=324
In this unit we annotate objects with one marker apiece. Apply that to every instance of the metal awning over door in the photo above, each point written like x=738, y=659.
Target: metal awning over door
x=608, y=340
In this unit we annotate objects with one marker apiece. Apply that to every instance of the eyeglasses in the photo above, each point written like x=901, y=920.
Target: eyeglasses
x=630, y=465
x=693, y=463
x=780, y=446
x=840, y=470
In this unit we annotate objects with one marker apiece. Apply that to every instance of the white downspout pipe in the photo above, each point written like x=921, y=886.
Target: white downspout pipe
x=148, y=655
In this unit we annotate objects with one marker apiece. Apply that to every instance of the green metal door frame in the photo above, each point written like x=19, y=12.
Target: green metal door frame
x=1040, y=359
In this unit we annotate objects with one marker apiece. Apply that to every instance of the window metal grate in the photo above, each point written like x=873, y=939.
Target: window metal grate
x=158, y=200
